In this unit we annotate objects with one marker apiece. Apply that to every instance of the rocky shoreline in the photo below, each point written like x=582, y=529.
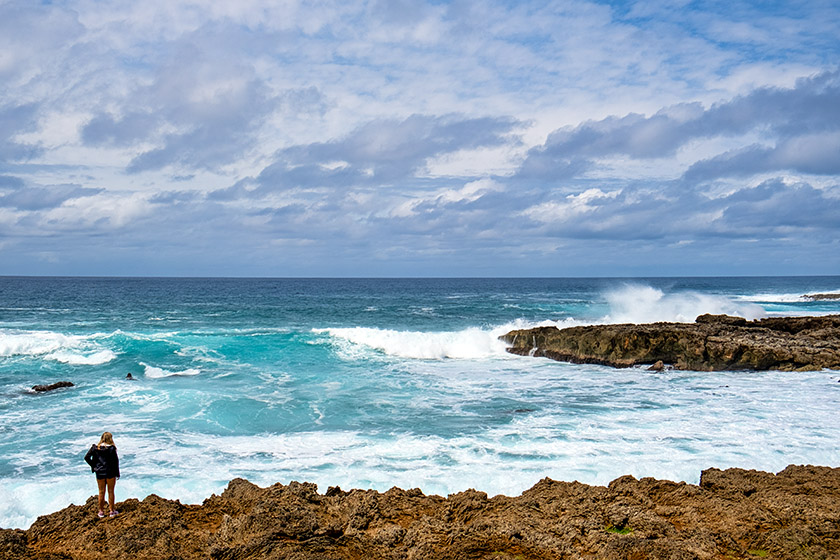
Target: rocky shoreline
x=822, y=297
x=712, y=343
x=731, y=514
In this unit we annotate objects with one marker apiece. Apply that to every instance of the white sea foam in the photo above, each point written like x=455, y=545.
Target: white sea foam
x=636, y=303
x=772, y=298
x=470, y=343
x=33, y=343
x=630, y=304
x=76, y=359
x=784, y=298
x=22, y=501
x=567, y=422
x=68, y=349
x=153, y=372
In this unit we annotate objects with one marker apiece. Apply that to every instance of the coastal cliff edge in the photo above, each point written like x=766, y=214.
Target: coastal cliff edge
x=732, y=514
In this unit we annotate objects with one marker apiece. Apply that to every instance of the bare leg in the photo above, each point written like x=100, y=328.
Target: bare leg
x=111, y=482
x=101, y=483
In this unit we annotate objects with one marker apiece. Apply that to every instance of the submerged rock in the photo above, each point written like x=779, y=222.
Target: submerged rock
x=52, y=386
x=735, y=514
x=712, y=343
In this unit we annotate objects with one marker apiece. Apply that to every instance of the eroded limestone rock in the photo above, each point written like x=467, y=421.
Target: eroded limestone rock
x=734, y=513
x=712, y=343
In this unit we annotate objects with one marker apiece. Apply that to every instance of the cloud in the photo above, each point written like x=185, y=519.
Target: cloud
x=772, y=209
x=202, y=109
x=28, y=30
x=16, y=119
x=293, y=137
x=803, y=121
x=817, y=154
x=572, y=208
x=778, y=207
x=44, y=197
x=105, y=129
x=382, y=152
x=10, y=182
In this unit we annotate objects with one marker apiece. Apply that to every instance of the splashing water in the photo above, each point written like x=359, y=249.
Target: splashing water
x=645, y=304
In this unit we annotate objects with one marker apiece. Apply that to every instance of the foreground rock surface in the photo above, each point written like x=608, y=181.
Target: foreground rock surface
x=732, y=514
x=712, y=343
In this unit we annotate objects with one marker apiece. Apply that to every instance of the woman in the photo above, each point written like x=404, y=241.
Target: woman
x=103, y=460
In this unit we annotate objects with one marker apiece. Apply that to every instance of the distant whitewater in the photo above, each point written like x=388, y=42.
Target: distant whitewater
x=379, y=383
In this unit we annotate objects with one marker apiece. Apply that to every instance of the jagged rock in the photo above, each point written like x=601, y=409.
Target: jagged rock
x=708, y=318
x=51, y=387
x=821, y=297
x=712, y=343
x=658, y=366
x=735, y=514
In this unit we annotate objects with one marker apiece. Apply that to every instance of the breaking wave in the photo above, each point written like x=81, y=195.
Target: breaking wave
x=645, y=304
x=467, y=344
x=153, y=372
x=67, y=349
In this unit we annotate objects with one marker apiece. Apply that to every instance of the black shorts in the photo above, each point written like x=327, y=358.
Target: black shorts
x=104, y=476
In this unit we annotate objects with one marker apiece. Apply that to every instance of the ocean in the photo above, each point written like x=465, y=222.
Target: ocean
x=374, y=383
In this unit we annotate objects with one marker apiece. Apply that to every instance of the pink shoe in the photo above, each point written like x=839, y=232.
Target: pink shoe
x=113, y=514
x=101, y=514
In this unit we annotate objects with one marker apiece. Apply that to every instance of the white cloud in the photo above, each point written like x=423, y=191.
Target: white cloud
x=415, y=128
x=572, y=207
x=98, y=212
x=470, y=192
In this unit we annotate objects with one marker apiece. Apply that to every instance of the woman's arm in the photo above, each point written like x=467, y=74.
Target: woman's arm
x=90, y=456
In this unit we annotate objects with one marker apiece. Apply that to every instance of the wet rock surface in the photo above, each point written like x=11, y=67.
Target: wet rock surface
x=52, y=386
x=731, y=514
x=711, y=343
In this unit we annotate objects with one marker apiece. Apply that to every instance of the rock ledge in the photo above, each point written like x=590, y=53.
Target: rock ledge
x=711, y=343
x=732, y=514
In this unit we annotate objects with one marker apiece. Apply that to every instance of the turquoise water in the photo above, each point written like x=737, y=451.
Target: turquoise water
x=379, y=383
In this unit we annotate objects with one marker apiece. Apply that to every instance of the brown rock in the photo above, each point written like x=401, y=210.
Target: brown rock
x=712, y=343
x=738, y=514
x=821, y=297
x=51, y=387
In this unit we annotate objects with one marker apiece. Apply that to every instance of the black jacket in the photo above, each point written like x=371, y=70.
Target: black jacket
x=103, y=461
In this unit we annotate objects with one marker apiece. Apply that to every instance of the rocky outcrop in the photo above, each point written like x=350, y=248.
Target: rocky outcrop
x=712, y=343
x=732, y=514
x=821, y=297
x=51, y=386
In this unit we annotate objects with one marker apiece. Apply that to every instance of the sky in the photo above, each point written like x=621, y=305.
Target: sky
x=411, y=138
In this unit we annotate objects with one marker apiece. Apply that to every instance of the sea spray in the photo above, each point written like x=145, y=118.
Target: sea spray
x=638, y=303
x=467, y=344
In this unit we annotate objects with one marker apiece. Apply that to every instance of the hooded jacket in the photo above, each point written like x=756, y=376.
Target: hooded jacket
x=103, y=461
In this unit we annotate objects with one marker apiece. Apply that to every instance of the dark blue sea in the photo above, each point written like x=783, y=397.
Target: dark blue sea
x=374, y=383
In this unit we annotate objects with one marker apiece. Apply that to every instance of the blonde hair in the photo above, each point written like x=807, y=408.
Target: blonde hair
x=106, y=439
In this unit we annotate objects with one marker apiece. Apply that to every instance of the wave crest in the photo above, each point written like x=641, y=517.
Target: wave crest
x=153, y=372
x=467, y=344
x=67, y=349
